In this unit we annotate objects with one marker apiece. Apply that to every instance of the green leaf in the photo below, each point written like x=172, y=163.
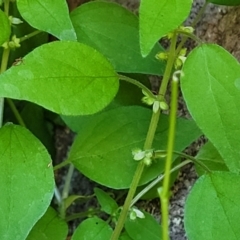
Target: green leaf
x=157, y=18
x=70, y=199
x=106, y=140
x=49, y=227
x=91, y=229
x=128, y=95
x=108, y=204
x=125, y=236
x=113, y=31
x=24, y=29
x=49, y=16
x=144, y=228
x=56, y=82
x=26, y=181
x=225, y=2
x=212, y=208
x=5, y=27
x=209, y=156
x=212, y=95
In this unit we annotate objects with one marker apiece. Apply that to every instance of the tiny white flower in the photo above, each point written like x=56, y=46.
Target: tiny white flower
x=135, y=213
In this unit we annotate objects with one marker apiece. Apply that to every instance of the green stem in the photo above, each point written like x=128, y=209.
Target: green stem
x=4, y=62
x=194, y=23
x=190, y=35
x=32, y=34
x=170, y=63
x=164, y=195
x=6, y=7
x=156, y=181
x=147, y=144
x=194, y=160
x=127, y=203
x=65, y=191
x=137, y=83
x=16, y=112
x=62, y=164
x=82, y=214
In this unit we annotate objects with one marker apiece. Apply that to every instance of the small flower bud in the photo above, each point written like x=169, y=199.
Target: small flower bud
x=15, y=21
x=164, y=105
x=161, y=56
x=156, y=106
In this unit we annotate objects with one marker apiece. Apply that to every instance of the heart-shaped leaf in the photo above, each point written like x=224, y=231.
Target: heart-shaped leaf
x=113, y=31
x=26, y=181
x=50, y=226
x=5, y=27
x=65, y=77
x=212, y=95
x=157, y=18
x=50, y=16
x=103, y=148
x=212, y=208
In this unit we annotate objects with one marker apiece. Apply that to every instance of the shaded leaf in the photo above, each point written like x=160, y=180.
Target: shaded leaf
x=33, y=117
x=210, y=157
x=56, y=82
x=26, y=181
x=213, y=98
x=113, y=31
x=49, y=227
x=212, y=208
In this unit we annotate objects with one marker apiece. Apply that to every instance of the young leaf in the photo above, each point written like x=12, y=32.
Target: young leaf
x=5, y=27
x=157, y=18
x=49, y=227
x=113, y=31
x=103, y=148
x=225, y=2
x=144, y=228
x=26, y=181
x=210, y=88
x=49, y=77
x=210, y=157
x=91, y=229
x=70, y=199
x=50, y=16
x=108, y=204
x=212, y=208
